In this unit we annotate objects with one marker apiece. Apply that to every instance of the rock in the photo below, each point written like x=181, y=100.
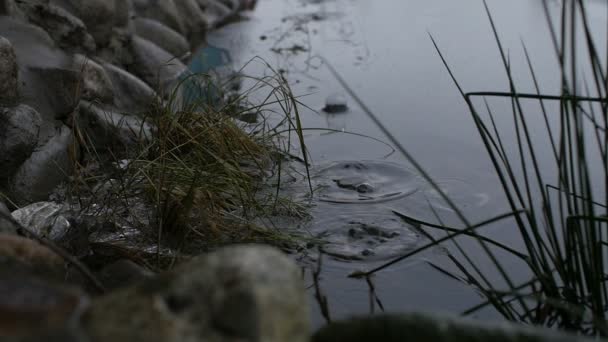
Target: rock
x=8, y=73
x=44, y=219
x=46, y=168
x=35, y=309
x=18, y=137
x=106, y=128
x=6, y=226
x=194, y=20
x=123, y=273
x=162, y=35
x=17, y=251
x=7, y=7
x=98, y=16
x=164, y=11
x=131, y=94
x=96, y=84
x=154, y=65
x=124, y=11
x=32, y=45
x=240, y=293
x=57, y=90
x=215, y=12
x=118, y=51
x=427, y=327
x=67, y=30
x=335, y=103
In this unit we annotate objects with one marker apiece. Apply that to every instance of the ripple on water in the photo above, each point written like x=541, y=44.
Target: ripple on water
x=465, y=195
x=365, y=181
x=366, y=236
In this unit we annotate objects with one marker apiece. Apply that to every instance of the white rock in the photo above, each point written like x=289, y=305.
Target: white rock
x=45, y=219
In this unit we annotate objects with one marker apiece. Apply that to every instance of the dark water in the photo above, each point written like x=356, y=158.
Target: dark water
x=383, y=51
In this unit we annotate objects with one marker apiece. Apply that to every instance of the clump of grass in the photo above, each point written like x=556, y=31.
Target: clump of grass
x=560, y=212
x=201, y=172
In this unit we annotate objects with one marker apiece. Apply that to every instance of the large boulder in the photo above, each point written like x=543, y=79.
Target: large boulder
x=96, y=84
x=46, y=168
x=155, y=66
x=8, y=73
x=162, y=35
x=20, y=127
x=132, y=95
x=240, y=293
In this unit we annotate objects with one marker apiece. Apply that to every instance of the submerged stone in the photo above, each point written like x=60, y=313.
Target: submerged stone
x=335, y=103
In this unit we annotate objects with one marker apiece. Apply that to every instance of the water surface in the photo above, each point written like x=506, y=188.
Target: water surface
x=383, y=51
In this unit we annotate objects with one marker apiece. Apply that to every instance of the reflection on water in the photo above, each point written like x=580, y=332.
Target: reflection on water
x=383, y=51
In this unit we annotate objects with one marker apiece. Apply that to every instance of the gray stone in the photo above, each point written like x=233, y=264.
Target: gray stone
x=99, y=16
x=427, y=327
x=6, y=7
x=46, y=168
x=34, y=308
x=29, y=254
x=44, y=219
x=33, y=46
x=67, y=30
x=164, y=11
x=96, y=84
x=239, y=293
x=56, y=90
x=8, y=73
x=131, y=94
x=18, y=137
x=106, y=128
x=6, y=226
x=118, y=51
x=123, y=273
x=154, y=65
x=215, y=12
x=162, y=35
x=194, y=20
x=124, y=13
